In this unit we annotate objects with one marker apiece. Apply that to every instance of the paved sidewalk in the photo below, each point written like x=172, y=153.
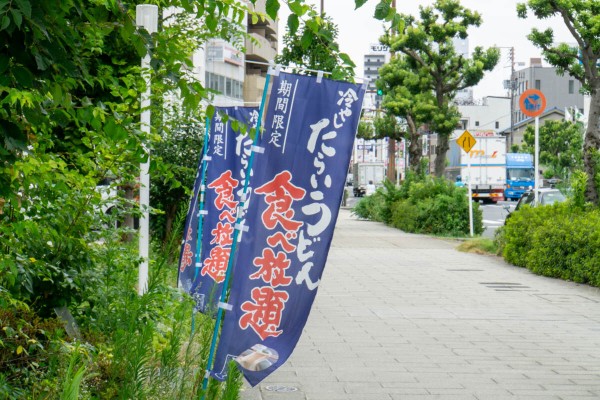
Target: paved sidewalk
x=403, y=316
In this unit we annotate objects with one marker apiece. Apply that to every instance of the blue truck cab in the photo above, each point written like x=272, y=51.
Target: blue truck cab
x=519, y=175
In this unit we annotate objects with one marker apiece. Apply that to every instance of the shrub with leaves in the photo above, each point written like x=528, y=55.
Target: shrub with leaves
x=371, y=207
x=422, y=204
x=520, y=228
x=561, y=241
x=435, y=206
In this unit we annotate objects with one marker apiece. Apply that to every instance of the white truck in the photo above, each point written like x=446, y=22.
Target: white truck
x=364, y=173
x=488, y=165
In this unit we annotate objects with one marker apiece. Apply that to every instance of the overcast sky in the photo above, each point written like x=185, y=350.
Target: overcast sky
x=501, y=27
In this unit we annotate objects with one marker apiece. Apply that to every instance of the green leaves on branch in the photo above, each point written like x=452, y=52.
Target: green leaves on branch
x=313, y=45
x=272, y=7
x=383, y=9
x=561, y=146
x=359, y=3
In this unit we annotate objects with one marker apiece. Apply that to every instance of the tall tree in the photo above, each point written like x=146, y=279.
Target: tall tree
x=561, y=145
x=407, y=96
x=428, y=47
x=581, y=61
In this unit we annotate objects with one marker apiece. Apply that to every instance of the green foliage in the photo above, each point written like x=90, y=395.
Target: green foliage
x=519, y=230
x=366, y=130
x=386, y=125
x=436, y=206
x=422, y=205
x=48, y=232
x=371, y=207
x=408, y=96
x=73, y=378
x=561, y=147
x=561, y=241
x=178, y=153
x=313, y=45
x=30, y=349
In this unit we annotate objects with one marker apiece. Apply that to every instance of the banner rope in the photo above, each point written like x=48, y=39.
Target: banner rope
x=201, y=212
x=223, y=298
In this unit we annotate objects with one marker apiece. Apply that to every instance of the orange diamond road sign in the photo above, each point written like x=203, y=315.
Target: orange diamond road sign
x=466, y=141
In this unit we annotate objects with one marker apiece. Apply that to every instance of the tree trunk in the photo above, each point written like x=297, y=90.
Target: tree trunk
x=440, y=154
x=171, y=214
x=128, y=218
x=591, y=145
x=391, y=171
x=415, y=149
x=442, y=139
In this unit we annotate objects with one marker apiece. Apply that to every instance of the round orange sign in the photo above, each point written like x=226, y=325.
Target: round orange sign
x=532, y=102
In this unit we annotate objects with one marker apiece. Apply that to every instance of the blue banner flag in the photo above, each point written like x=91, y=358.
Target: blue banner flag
x=229, y=148
x=298, y=183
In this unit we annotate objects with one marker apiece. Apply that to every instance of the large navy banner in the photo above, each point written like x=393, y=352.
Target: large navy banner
x=297, y=182
x=227, y=160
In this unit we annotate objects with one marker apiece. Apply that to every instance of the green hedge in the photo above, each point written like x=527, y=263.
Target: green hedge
x=560, y=241
x=422, y=205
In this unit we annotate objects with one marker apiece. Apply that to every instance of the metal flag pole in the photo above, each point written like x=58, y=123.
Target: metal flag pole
x=537, y=160
x=236, y=231
x=205, y=159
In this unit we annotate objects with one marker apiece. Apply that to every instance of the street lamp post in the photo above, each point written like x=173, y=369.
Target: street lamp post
x=512, y=95
x=146, y=16
x=511, y=85
x=391, y=171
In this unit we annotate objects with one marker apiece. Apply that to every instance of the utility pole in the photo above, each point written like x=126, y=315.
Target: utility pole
x=512, y=95
x=391, y=171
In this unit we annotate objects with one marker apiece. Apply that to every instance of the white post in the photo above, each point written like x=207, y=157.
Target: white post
x=537, y=159
x=470, y=195
x=146, y=16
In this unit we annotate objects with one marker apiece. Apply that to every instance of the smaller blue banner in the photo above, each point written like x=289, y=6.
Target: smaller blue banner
x=227, y=161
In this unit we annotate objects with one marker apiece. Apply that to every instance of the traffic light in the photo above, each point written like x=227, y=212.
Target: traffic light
x=379, y=92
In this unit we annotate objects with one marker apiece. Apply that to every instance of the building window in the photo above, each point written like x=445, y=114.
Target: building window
x=476, y=123
x=571, y=86
x=225, y=86
x=538, y=84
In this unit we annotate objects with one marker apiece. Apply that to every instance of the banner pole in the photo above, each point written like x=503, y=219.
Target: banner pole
x=537, y=161
x=200, y=209
x=236, y=231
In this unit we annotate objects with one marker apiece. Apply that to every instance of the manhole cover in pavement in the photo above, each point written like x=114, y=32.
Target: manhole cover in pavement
x=281, y=389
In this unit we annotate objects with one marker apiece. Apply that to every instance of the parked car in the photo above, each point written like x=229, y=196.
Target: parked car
x=546, y=196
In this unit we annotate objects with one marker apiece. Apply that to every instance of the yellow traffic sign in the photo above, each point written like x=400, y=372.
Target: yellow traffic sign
x=466, y=141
